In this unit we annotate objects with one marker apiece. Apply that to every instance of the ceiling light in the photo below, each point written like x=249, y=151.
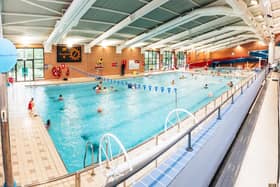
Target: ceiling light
x=261, y=42
x=69, y=42
x=253, y=2
x=25, y=40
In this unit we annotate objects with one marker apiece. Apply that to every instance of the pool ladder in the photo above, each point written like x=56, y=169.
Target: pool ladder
x=91, y=146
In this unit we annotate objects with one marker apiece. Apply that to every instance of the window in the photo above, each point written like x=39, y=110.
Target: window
x=30, y=64
x=151, y=60
x=168, y=59
x=181, y=59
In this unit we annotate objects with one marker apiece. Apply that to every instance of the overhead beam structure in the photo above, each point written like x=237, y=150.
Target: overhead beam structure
x=128, y=20
x=240, y=8
x=231, y=45
x=211, y=35
x=228, y=40
x=190, y=31
x=195, y=45
x=70, y=19
x=195, y=14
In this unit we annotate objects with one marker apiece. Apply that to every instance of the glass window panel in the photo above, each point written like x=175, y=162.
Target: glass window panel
x=20, y=53
x=38, y=68
x=29, y=53
x=30, y=64
x=38, y=54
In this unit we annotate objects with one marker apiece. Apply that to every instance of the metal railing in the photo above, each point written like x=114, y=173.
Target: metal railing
x=188, y=133
x=222, y=100
x=91, y=146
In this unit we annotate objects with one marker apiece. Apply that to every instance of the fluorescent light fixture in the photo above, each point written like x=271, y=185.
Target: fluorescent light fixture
x=106, y=43
x=261, y=42
x=69, y=42
x=26, y=40
x=253, y=2
x=140, y=44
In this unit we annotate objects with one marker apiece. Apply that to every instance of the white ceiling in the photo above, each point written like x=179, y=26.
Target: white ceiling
x=163, y=24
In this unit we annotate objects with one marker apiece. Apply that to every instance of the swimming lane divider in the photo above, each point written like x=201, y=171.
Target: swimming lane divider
x=138, y=86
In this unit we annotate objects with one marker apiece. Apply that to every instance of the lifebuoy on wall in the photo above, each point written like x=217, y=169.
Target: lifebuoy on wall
x=56, y=71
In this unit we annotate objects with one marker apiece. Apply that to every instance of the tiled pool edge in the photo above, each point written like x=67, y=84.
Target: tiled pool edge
x=201, y=165
x=201, y=177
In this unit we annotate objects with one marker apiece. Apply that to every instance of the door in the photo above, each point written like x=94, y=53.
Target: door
x=24, y=70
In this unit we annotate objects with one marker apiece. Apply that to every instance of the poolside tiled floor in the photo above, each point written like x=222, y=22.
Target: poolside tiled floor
x=260, y=164
x=34, y=157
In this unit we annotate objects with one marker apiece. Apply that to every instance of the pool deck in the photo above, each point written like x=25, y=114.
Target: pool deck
x=34, y=156
x=260, y=164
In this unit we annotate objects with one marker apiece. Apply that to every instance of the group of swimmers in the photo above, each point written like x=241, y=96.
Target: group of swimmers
x=100, y=88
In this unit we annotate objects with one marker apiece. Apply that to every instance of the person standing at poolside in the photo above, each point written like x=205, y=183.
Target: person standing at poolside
x=31, y=106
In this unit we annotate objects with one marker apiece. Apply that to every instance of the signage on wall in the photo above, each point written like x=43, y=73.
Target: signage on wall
x=69, y=54
x=114, y=64
x=133, y=64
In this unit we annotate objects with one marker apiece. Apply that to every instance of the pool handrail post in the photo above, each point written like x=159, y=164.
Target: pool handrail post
x=189, y=148
x=77, y=179
x=107, y=160
x=232, y=99
x=219, y=113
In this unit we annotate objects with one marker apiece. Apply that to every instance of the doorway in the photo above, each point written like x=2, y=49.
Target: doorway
x=30, y=65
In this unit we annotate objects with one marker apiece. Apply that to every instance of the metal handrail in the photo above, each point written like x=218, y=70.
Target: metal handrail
x=136, y=169
x=89, y=144
x=142, y=165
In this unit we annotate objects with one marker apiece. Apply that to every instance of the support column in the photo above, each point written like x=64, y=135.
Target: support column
x=271, y=48
x=5, y=135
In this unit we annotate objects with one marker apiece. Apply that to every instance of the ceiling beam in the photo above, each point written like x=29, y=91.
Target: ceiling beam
x=56, y=2
x=190, y=31
x=70, y=19
x=29, y=21
x=232, y=45
x=162, y=8
x=240, y=8
x=211, y=35
x=195, y=3
x=228, y=40
x=41, y=6
x=213, y=39
x=128, y=20
x=28, y=15
x=195, y=14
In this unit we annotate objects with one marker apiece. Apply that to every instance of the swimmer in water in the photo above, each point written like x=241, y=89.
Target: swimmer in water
x=206, y=86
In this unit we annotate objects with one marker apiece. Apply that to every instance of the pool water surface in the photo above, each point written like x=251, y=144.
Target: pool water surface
x=133, y=115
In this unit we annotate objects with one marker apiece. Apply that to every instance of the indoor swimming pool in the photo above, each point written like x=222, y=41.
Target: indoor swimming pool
x=133, y=115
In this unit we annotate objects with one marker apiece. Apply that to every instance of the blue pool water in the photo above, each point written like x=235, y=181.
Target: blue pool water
x=132, y=115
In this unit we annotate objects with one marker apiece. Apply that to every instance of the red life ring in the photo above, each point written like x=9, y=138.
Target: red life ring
x=56, y=71
x=63, y=66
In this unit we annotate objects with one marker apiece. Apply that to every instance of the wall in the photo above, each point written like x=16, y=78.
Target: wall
x=195, y=57
x=88, y=63
x=239, y=51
